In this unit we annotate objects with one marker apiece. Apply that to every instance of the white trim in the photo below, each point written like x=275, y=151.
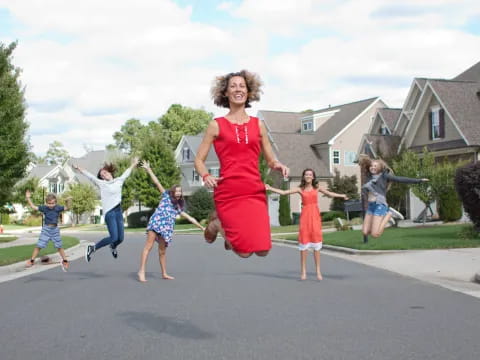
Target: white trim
x=409, y=94
x=368, y=108
x=315, y=246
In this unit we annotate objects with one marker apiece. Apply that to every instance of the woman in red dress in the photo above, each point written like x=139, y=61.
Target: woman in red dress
x=239, y=193
x=310, y=232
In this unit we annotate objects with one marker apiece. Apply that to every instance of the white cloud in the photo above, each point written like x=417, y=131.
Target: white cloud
x=89, y=66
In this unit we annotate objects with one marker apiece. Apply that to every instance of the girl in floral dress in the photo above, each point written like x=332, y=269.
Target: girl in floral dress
x=310, y=231
x=161, y=224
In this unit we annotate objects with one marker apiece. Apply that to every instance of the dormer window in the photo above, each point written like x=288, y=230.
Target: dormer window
x=436, y=118
x=384, y=130
x=185, y=154
x=307, y=125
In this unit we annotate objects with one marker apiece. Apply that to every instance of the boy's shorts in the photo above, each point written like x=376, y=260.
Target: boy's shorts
x=377, y=209
x=50, y=233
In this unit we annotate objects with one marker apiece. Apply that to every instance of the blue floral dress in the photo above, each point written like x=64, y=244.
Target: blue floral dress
x=163, y=219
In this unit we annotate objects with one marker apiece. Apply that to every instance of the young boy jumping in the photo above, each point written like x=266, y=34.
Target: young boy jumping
x=50, y=230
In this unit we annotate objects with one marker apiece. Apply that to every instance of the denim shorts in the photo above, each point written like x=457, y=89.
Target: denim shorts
x=377, y=209
x=50, y=233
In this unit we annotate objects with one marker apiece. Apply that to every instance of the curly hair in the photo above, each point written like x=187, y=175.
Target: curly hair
x=314, y=180
x=220, y=85
x=108, y=167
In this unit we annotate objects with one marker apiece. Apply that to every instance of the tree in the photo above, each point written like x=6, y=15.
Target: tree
x=56, y=154
x=84, y=199
x=32, y=184
x=14, y=146
x=411, y=165
x=342, y=185
x=200, y=204
x=284, y=209
x=181, y=120
x=130, y=135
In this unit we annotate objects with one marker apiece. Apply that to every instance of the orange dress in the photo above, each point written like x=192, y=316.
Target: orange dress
x=310, y=232
x=240, y=197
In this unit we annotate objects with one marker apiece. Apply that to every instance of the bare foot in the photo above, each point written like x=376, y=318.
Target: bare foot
x=303, y=277
x=141, y=276
x=167, y=277
x=319, y=277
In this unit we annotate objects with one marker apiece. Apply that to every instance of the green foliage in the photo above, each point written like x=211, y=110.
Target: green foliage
x=14, y=146
x=467, y=185
x=341, y=225
x=38, y=193
x=331, y=215
x=139, y=219
x=342, y=185
x=182, y=120
x=469, y=232
x=56, y=154
x=130, y=135
x=200, y=204
x=4, y=219
x=33, y=220
x=264, y=170
x=284, y=209
x=84, y=199
x=449, y=206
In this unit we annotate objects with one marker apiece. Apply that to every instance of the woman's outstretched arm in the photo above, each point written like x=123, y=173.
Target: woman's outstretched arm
x=192, y=220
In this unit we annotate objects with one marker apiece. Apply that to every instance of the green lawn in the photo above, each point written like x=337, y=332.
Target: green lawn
x=5, y=239
x=428, y=237
x=14, y=227
x=15, y=254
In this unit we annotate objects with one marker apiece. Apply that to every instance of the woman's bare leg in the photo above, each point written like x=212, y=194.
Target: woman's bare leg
x=303, y=264
x=162, y=256
x=316, y=257
x=151, y=235
x=262, y=253
x=367, y=224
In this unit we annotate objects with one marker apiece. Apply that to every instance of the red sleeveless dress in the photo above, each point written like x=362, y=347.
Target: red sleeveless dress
x=240, y=198
x=310, y=232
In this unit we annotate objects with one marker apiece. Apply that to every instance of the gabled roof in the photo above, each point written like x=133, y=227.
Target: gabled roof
x=390, y=116
x=471, y=74
x=295, y=150
x=194, y=142
x=340, y=120
x=281, y=121
x=41, y=170
x=462, y=101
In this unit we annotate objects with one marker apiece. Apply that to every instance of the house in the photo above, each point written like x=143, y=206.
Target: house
x=324, y=140
x=58, y=178
x=441, y=115
x=185, y=156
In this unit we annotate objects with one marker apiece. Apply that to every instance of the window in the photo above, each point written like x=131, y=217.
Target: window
x=307, y=125
x=214, y=172
x=195, y=177
x=52, y=187
x=336, y=157
x=61, y=188
x=437, y=123
x=384, y=130
x=350, y=157
x=185, y=154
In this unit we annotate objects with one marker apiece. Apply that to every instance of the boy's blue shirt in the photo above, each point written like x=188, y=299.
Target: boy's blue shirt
x=51, y=215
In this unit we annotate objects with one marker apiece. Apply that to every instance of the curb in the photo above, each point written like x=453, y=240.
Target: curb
x=345, y=250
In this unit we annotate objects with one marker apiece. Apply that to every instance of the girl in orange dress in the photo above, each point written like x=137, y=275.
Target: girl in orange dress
x=310, y=232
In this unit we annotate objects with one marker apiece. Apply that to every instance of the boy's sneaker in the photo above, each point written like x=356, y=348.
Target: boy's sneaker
x=396, y=214
x=114, y=252
x=29, y=263
x=88, y=252
x=65, y=265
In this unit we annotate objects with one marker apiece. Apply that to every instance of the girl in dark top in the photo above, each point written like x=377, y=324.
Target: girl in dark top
x=374, y=190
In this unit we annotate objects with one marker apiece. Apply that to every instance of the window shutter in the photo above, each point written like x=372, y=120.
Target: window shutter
x=442, y=123
x=430, y=117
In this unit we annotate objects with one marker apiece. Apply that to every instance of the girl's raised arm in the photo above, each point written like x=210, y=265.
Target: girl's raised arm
x=282, y=192
x=90, y=176
x=192, y=220
x=332, y=194
x=147, y=167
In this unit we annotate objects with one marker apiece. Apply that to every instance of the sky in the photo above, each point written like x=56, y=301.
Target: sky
x=90, y=65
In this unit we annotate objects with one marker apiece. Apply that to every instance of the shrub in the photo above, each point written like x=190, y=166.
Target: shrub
x=200, y=204
x=4, y=219
x=139, y=219
x=341, y=225
x=342, y=185
x=32, y=220
x=468, y=233
x=467, y=184
x=330, y=215
x=449, y=206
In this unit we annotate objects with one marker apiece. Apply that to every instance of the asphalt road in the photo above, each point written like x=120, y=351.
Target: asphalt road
x=223, y=307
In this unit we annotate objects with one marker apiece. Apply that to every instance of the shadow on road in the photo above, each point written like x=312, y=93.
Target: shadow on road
x=145, y=321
